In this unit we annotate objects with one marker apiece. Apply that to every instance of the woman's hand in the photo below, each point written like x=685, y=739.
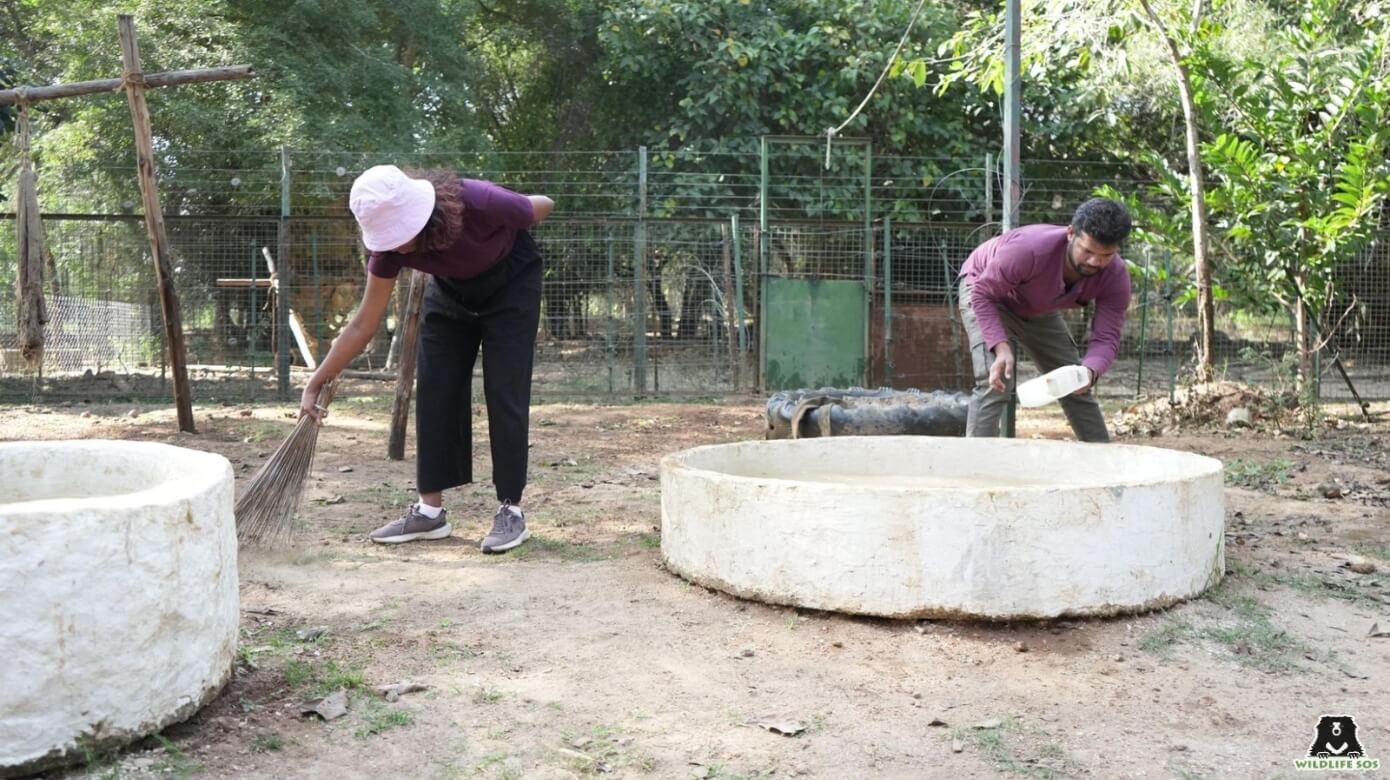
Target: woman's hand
x=309, y=402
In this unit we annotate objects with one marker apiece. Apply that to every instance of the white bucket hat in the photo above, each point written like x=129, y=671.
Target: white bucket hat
x=391, y=208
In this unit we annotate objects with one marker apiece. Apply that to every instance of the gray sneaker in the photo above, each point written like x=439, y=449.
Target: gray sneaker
x=412, y=526
x=508, y=529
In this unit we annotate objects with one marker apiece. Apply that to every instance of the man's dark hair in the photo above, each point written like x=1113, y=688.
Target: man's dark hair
x=1105, y=220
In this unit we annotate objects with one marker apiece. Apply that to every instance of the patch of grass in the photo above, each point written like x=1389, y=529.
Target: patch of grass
x=262, y=430
x=603, y=750
x=175, y=761
x=267, y=742
x=487, y=695
x=377, y=718
x=319, y=680
x=100, y=764
x=256, y=642
x=383, y=496
x=1253, y=639
x=995, y=745
x=1382, y=552
x=1257, y=475
x=1243, y=628
x=544, y=547
x=491, y=760
x=1170, y=634
x=1363, y=590
x=650, y=541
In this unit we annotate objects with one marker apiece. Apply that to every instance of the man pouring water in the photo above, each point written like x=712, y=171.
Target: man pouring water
x=1012, y=290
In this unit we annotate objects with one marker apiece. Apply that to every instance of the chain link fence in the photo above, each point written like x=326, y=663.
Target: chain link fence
x=657, y=275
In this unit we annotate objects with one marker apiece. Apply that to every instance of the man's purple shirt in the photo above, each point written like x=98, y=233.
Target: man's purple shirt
x=492, y=216
x=1022, y=270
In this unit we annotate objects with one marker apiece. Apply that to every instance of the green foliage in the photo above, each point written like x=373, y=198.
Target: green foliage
x=1258, y=475
x=1299, y=172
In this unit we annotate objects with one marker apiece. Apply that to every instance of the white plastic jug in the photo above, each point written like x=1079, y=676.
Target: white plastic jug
x=1055, y=384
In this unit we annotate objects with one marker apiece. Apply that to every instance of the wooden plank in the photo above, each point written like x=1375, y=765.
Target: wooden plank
x=166, y=79
x=154, y=222
x=405, y=380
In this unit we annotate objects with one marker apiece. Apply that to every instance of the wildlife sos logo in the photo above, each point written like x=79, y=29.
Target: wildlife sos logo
x=1336, y=746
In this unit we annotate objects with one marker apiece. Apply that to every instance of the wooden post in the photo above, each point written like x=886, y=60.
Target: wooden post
x=31, y=245
x=405, y=380
x=154, y=221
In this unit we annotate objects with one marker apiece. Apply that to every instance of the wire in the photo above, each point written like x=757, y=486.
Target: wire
x=831, y=132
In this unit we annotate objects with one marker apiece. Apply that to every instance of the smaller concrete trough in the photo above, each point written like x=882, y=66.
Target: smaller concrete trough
x=118, y=590
x=910, y=526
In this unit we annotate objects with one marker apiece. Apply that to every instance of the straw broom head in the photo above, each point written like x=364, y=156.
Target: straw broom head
x=265, y=511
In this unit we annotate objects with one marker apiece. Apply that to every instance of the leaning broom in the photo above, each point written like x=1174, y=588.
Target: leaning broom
x=265, y=512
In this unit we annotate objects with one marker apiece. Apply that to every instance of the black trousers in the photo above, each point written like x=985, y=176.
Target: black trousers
x=498, y=311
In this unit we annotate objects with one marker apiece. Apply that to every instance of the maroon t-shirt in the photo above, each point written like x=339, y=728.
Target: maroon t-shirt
x=492, y=215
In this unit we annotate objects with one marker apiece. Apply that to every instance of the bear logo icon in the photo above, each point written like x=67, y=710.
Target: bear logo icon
x=1336, y=738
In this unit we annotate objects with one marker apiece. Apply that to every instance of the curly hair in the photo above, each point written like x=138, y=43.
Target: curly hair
x=1105, y=220
x=446, y=221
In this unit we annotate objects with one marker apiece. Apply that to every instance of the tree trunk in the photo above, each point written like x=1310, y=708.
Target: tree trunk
x=1206, y=309
x=1301, y=343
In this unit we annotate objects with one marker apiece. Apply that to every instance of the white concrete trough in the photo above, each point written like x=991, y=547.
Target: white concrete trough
x=916, y=526
x=118, y=591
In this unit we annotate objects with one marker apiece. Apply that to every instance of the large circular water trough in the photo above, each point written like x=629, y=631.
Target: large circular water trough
x=912, y=526
x=118, y=587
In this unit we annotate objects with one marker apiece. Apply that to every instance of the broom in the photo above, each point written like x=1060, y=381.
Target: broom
x=265, y=512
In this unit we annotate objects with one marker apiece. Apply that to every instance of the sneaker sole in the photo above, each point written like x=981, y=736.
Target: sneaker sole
x=438, y=533
x=501, y=548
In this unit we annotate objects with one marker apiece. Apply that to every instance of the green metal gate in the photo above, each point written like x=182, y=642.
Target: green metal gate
x=817, y=275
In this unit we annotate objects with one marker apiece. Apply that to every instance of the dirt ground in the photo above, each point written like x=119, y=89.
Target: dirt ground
x=579, y=655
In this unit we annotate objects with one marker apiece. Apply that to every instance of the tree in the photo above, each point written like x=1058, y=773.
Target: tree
x=1300, y=172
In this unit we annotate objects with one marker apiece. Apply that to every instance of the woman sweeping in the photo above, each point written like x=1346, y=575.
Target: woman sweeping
x=472, y=237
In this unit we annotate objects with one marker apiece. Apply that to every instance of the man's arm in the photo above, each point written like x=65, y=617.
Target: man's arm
x=1011, y=265
x=1112, y=305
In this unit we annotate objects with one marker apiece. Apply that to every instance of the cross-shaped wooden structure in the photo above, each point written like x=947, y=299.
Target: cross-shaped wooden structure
x=135, y=82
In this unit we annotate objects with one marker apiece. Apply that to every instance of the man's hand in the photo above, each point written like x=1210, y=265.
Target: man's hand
x=1002, y=369
x=1088, y=386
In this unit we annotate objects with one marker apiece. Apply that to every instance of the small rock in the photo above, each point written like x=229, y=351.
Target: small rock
x=344, y=469
x=1238, y=417
x=837, y=644
x=957, y=746
x=244, y=412
x=1020, y=647
x=87, y=414
x=747, y=654
x=133, y=413
x=937, y=722
x=992, y=723
x=1362, y=566
x=1118, y=659
x=310, y=634
x=331, y=707
x=1330, y=490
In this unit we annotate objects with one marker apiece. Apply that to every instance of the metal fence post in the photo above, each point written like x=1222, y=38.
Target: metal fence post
x=1143, y=321
x=286, y=279
x=1168, y=304
x=639, y=283
x=608, y=310
x=887, y=301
